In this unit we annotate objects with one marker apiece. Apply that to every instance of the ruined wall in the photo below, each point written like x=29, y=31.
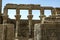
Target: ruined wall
x=37, y=32
x=1, y=32
x=7, y=32
x=50, y=31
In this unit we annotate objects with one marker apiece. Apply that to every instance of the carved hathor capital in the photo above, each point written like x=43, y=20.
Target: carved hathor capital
x=30, y=16
x=41, y=17
x=18, y=17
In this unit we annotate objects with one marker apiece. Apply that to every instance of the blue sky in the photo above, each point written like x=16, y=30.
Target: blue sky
x=36, y=13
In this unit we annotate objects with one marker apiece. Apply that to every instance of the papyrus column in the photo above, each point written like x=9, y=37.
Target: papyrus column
x=41, y=13
x=42, y=16
x=30, y=21
x=17, y=22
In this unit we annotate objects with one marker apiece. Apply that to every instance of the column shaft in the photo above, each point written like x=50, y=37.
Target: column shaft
x=41, y=13
x=30, y=22
x=16, y=34
x=17, y=23
x=53, y=12
x=5, y=18
x=5, y=11
x=30, y=26
x=5, y=15
x=42, y=16
x=18, y=11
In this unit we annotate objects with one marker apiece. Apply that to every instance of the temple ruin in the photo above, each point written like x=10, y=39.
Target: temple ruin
x=47, y=28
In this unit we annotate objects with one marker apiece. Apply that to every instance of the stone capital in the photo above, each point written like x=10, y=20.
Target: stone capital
x=18, y=17
x=41, y=17
x=30, y=17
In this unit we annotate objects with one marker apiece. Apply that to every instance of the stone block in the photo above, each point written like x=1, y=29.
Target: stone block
x=1, y=31
x=10, y=32
x=7, y=32
x=37, y=32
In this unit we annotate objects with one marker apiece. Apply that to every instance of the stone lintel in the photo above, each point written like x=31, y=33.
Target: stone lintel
x=57, y=9
x=29, y=5
x=47, y=8
x=21, y=6
x=11, y=6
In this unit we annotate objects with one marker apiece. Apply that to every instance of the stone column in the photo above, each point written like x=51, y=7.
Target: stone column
x=30, y=22
x=42, y=12
x=5, y=15
x=53, y=12
x=17, y=22
x=42, y=16
x=5, y=18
